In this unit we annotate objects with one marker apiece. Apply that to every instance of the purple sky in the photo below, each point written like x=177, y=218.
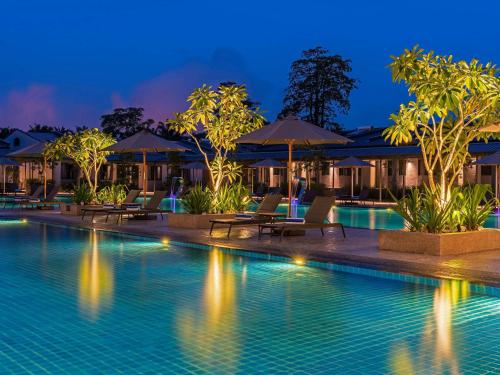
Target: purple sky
x=66, y=63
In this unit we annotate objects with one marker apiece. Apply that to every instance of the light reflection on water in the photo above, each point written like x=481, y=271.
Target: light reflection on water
x=96, y=280
x=437, y=341
x=218, y=320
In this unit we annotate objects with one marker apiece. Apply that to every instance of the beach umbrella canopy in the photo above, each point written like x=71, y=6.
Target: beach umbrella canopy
x=34, y=152
x=353, y=163
x=492, y=128
x=292, y=131
x=268, y=163
x=5, y=162
x=194, y=165
x=493, y=159
x=144, y=142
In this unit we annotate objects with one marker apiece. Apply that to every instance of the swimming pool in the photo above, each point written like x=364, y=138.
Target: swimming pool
x=79, y=301
x=355, y=217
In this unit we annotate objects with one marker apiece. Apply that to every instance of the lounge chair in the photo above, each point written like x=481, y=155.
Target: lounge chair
x=20, y=200
x=104, y=208
x=265, y=213
x=314, y=219
x=47, y=201
x=151, y=208
x=363, y=197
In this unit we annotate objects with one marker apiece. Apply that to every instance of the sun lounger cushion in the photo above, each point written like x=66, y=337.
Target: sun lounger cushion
x=132, y=206
x=243, y=216
x=108, y=206
x=34, y=200
x=293, y=220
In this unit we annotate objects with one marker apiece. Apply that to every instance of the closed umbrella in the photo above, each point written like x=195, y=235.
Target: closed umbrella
x=353, y=163
x=493, y=160
x=144, y=142
x=34, y=152
x=5, y=162
x=292, y=131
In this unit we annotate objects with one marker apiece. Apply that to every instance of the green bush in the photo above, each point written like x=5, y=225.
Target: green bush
x=83, y=194
x=465, y=209
x=197, y=200
x=231, y=198
x=115, y=194
x=476, y=206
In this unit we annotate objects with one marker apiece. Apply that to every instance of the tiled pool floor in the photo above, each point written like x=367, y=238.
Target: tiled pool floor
x=77, y=301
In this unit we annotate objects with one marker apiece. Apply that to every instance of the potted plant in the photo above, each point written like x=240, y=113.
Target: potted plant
x=82, y=196
x=453, y=104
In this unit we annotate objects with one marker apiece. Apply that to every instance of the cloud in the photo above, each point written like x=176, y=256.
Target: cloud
x=166, y=93
x=24, y=107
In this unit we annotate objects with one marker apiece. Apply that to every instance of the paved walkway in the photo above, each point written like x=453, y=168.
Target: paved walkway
x=359, y=248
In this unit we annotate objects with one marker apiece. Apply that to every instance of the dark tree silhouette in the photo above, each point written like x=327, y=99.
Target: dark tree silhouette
x=39, y=128
x=5, y=132
x=319, y=88
x=124, y=122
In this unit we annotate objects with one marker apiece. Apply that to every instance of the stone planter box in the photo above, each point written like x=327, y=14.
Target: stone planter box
x=73, y=208
x=439, y=244
x=194, y=221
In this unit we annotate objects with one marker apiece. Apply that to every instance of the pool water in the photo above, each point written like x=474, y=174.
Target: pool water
x=355, y=217
x=76, y=301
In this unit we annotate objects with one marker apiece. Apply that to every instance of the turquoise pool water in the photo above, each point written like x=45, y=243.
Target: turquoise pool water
x=356, y=217
x=76, y=301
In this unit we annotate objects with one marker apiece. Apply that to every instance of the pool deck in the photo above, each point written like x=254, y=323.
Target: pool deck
x=360, y=247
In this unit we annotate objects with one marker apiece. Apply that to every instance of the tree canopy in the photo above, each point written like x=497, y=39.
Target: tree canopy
x=319, y=88
x=453, y=102
x=124, y=122
x=86, y=149
x=223, y=116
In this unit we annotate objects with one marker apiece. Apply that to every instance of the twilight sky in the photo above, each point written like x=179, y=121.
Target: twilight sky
x=67, y=62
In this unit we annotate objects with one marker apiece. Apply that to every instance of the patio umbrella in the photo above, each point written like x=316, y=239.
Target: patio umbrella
x=292, y=131
x=493, y=128
x=353, y=163
x=493, y=160
x=144, y=142
x=5, y=162
x=34, y=152
x=268, y=163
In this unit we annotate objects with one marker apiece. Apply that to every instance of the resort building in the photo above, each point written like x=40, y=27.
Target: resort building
x=393, y=168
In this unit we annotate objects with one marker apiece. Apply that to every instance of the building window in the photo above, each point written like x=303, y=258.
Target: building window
x=325, y=169
x=276, y=172
x=155, y=173
x=16, y=142
x=402, y=167
x=421, y=168
x=389, y=167
x=486, y=170
x=344, y=171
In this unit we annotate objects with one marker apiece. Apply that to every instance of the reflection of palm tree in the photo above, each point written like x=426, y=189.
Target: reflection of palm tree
x=202, y=332
x=437, y=338
x=95, y=280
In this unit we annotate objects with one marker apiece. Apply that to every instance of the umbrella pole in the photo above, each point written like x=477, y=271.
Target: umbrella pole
x=290, y=145
x=352, y=182
x=44, y=178
x=145, y=178
x=3, y=170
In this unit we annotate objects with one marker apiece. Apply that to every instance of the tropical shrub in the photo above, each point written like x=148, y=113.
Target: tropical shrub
x=197, y=201
x=115, y=194
x=476, y=206
x=82, y=194
x=231, y=198
x=465, y=209
x=410, y=208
